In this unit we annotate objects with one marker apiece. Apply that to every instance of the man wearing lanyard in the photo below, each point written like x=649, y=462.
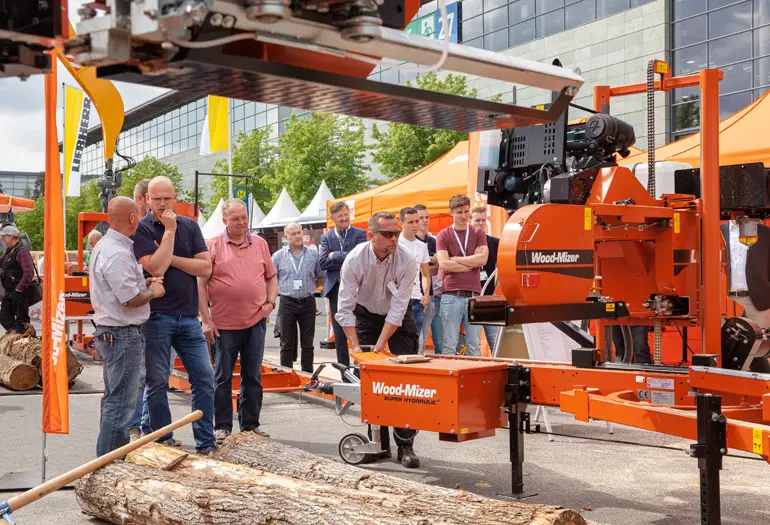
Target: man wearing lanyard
x=299, y=274
x=335, y=245
x=376, y=284
x=461, y=252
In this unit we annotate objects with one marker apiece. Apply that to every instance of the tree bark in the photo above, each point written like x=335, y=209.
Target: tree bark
x=29, y=350
x=167, y=485
x=17, y=375
x=260, y=452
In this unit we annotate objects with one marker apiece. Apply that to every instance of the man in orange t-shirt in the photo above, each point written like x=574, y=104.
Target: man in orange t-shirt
x=234, y=303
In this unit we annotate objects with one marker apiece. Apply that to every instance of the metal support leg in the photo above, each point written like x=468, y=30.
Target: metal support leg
x=711, y=446
x=517, y=397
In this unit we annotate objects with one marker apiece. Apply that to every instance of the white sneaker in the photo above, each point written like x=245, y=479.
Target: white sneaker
x=221, y=434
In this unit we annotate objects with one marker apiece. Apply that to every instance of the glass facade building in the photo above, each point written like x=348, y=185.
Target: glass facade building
x=18, y=183
x=179, y=130
x=733, y=36
x=497, y=25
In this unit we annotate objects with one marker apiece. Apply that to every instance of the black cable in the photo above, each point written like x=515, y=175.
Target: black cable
x=632, y=443
x=583, y=108
x=130, y=161
x=685, y=340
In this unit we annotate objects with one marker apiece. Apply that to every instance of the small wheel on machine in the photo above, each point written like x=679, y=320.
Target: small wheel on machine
x=350, y=456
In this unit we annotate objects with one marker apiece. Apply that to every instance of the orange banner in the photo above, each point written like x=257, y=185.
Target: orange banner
x=54, y=352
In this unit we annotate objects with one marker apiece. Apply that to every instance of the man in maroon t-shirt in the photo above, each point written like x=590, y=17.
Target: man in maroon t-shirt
x=461, y=251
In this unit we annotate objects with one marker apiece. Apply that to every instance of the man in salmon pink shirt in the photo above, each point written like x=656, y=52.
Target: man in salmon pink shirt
x=235, y=300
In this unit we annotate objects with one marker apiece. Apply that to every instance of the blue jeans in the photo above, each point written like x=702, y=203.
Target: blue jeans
x=419, y=315
x=122, y=350
x=491, y=331
x=454, y=313
x=250, y=345
x=184, y=332
x=437, y=328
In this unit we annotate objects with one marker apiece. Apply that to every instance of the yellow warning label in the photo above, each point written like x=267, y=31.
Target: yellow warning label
x=587, y=219
x=661, y=67
x=84, y=281
x=757, y=441
x=463, y=431
x=610, y=307
x=540, y=106
x=677, y=223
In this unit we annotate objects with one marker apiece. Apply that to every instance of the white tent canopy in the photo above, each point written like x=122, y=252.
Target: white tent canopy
x=257, y=215
x=201, y=220
x=284, y=211
x=214, y=226
x=316, y=210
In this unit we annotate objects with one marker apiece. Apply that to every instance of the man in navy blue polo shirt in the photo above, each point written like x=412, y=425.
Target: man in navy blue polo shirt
x=172, y=247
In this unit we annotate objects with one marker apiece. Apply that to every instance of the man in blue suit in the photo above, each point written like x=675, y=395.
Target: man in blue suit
x=335, y=246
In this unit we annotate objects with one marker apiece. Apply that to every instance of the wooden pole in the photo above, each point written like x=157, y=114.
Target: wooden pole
x=34, y=494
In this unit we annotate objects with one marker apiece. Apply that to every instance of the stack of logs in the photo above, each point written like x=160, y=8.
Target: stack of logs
x=21, y=362
x=253, y=479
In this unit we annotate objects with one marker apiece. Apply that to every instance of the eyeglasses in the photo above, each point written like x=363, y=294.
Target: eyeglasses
x=388, y=234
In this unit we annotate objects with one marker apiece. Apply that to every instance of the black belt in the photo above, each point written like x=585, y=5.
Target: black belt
x=739, y=293
x=293, y=299
x=461, y=293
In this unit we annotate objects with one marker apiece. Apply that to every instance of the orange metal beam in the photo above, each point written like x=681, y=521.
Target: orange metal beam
x=714, y=381
x=583, y=403
x=709, y=176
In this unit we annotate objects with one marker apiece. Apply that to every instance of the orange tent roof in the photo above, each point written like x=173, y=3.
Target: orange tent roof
x=432, y=186
x=740, y=140
x=17, y=204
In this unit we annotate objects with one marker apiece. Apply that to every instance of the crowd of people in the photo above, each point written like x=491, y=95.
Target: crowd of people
x=157, y=286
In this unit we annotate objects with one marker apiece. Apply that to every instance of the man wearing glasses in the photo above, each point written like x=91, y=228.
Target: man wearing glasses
x=172, y=247
x=377, y=280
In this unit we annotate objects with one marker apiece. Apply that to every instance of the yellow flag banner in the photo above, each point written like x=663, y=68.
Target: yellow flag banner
x=54, y=354
x=216, y=129
x=77, y=112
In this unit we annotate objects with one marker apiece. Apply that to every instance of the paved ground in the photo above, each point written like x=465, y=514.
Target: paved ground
x=621, y=484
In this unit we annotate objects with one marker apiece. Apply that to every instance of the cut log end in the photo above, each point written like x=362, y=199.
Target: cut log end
x=17, y=375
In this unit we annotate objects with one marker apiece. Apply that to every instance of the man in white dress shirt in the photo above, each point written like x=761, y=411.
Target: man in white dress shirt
x=377, y=280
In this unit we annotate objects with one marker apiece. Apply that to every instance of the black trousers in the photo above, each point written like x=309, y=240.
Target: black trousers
x=404, y=341
x=249, y=344
x=340, y=339
x=293, y=313
x=14, y=312
x=641, y=344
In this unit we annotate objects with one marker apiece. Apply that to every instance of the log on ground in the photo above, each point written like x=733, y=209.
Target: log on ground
x=29, y=350
x=445, y=506
x=17, y=375
x=249, y=448
x=280, y=499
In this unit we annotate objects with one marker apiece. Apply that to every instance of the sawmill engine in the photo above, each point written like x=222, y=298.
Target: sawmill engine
x=549, y=163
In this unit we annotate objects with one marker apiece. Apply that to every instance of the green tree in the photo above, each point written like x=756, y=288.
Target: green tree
x=319, y=147
x=253, y=155
x=148, y=168
x=404, y=148
x=31, y=223
x=39, y=190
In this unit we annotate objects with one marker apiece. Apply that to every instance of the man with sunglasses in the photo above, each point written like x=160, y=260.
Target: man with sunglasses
x=376, y=285
x=172, y=247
